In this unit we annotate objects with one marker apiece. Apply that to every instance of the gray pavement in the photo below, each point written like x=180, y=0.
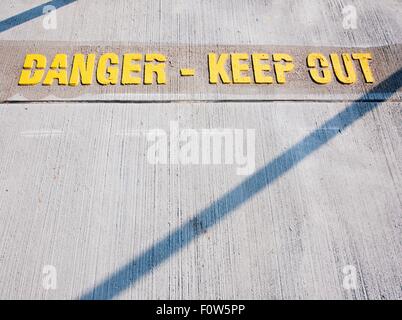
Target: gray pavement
x=79, y=198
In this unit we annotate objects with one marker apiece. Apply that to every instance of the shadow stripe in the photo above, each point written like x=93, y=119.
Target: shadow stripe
x=141, y=265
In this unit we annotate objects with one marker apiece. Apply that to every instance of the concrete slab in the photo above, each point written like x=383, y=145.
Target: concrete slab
x=77, y=192
x=79, y=195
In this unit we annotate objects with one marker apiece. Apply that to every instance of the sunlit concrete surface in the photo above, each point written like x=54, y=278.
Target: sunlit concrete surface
x=78, y=194
x=300, y=22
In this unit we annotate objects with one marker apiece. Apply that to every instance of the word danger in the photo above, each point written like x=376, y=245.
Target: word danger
x=84, y=67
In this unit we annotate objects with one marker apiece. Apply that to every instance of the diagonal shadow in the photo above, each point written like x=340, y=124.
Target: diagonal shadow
x=141, y=265
x=31, y=14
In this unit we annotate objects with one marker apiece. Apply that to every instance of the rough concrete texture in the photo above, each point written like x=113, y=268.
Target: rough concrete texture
x=78, y=193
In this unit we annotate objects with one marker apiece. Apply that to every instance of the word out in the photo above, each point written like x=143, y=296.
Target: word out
x=343, y=67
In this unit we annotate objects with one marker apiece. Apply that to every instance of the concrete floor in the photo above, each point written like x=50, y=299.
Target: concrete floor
x=78, y=193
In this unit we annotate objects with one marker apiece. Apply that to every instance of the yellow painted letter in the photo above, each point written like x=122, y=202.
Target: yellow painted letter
x=82, y=70
x=259, y=68
x=217, y=68
x=104, y=69
x=323, y=63
x=238, y=68
x=350, y=76
x=58, y=70
x=280, y=68
x=364, y=59
x=30, y=60
x=158, y=68
x=129, y=68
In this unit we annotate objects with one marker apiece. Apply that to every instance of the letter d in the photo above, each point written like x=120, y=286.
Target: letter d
x=26, y=78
